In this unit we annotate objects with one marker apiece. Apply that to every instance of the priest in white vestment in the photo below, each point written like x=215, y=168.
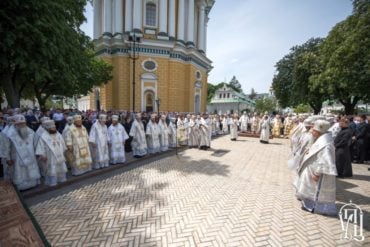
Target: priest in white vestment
x=172, y=133
x=193, y=132
x=255, y=123
x=99, y=139
x=50, y=149
x=40, y=130
x=182, y=136
x=265, y=130
x=138, y=143
x=317, y=173
x=204, y=138
x=77, y=141
x=5, y=148
x=225, y=124
x=66, y=128
x=164, y=133
x=22, y=157
x=152, y=136
x=117, y=138
x=244, y=122
x=234, y=123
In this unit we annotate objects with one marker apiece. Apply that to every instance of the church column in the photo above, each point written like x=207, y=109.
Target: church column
x=181, y=21
x=163, y=17
x=172, y=19
x=107, y=18
x=128, y=16
x=118, y=18
x=190, y=31
x=205, y=35
x=201, y=27
x=97, y=18
x=138, y=15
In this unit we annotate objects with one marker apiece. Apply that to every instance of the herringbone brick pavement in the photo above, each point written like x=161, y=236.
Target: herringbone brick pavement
x=237, y=194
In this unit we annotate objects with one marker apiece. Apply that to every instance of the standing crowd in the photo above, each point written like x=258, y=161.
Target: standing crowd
x=40, y=146
x=322, y=150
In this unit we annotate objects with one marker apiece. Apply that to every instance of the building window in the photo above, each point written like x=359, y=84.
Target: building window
x=149, y=65
x=228, y=95
x=151, y=14
x=198, y=75
x=220, y=96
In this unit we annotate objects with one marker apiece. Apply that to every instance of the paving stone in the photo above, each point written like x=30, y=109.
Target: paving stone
x=237, y=194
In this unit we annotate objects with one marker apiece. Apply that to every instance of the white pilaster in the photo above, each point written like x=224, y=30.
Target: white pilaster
x=128, y=15
x=138, y=15
x=190, y=31
x=181, y=21
x=97, y=18
x=201, y=27
x=118, y=18
x=163, y=17
x=107, y=18
x=172, y=19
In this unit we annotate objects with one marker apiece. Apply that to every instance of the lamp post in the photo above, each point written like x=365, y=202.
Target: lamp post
x=158, y=101
x=133, y=39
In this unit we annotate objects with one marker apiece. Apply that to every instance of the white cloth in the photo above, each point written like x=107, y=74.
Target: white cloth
x=40, y=130
x=152, y=137
x=164, y=135
x=26, y=173
x=193, y=133
x=172, y=135
x=99, y=137
x=138, y=143
x=234, y=123
x=244, y=119
x=117, y=137
x=255, y=122
x=53, y=147
x=265, y=130
x=335, y=129
x=320, y=161
x=5, y=152
x=225, y=125
x=203, y=134
x=182, y=135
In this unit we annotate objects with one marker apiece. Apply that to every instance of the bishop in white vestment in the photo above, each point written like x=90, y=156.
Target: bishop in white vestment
x=77, y=141
x=164, y=133
x=117, y=138
x=152, y=136
x=138, y=143
x=98, y=139
x=22, y=157
x=317, y=172
x=50, y=149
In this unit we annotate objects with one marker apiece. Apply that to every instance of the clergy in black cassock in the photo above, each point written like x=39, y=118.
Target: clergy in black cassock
x=342, y=145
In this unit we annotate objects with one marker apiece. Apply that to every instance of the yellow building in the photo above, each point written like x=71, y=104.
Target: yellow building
x=157, y=48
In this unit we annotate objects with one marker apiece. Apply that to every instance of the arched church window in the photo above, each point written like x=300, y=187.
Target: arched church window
x=151, y=14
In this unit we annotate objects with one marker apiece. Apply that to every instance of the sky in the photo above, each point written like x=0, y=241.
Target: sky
x=247, y=37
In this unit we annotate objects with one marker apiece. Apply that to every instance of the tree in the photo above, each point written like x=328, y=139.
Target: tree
x=302, y=108
x=253, y=94
x=44, y=51
x=234, y=84
x=265, y=105
x=291, y=83
x=283, y=80
x=345, y=59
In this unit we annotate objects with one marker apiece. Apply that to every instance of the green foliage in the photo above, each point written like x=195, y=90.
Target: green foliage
x=345, y=59
x=253, y=94
x=44, y=52
x=302, y=108
x=291, y=83
x=265, y=104
x=234, y=84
